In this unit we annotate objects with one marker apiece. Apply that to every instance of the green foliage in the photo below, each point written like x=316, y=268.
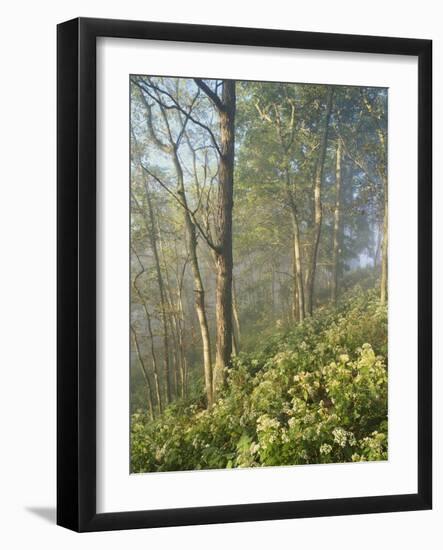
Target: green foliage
x=314, y=393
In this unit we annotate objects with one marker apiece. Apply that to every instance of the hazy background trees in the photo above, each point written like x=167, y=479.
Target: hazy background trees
x=252, y=205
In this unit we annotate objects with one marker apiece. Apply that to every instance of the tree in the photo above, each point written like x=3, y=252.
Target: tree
x=280, y=112
x=150, y=222
x=318, y=214
x=171, y=148
x=378, y=117
x=225, y=106
x=337, y=227
x=150, y=332
x=144, y=372
x=362, y=127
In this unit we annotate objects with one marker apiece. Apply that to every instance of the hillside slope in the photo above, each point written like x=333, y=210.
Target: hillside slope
x=314, y=393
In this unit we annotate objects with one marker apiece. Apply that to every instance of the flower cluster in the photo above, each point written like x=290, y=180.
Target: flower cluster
x=316, y=394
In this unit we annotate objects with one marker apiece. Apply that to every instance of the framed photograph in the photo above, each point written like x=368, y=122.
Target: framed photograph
x=244, y=274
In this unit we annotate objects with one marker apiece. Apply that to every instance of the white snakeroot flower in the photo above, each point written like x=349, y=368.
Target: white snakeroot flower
x=325, y=449
x=340, y=436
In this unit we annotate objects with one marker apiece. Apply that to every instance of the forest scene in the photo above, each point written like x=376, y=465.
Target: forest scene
x=259, y=274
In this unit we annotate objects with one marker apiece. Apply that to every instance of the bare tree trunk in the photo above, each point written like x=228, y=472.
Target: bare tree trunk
x=336, y=233
x=295, y=310
x=158, y=392
x=173, y=319
x=384, y=244
x=183, y=360
x=377, y=245
x=153, y=238
x=144, y=373
x=223, y=298
x=298, y=291
x=384, y=175
x=234, y=345
x=201, y=314
x=180, y=322
x=310, y=278
x=384, y=249
x=198, y=283
x=223, y=315
x=236, y=332
x=151, y=335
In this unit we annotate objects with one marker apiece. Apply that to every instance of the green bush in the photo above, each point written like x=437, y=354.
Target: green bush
x=316, y=393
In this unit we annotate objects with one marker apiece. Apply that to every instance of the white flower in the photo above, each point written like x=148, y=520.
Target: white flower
x=255, y=447
x=325, y=449
x=340, y=436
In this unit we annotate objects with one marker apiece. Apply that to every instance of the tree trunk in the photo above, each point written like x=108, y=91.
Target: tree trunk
x=298, y=283
x=384, y=249
x=236, y=317
x=234, y=344
x=151, y=338
x=336, y=234
x=153, y=238
x=174, y=329
x=144, y=373
x=384, y=246
x=384, y=174
x=310, y=278
x=183, y=360
x=198, y=283
x=180, y=321
x=158, y=393
x=223, y=314
x=201, y=314
x=298, y=306
x=377, y=247
x=295, y=313
x=223, y=298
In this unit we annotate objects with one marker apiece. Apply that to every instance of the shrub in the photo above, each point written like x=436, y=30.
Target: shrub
x=314, y=394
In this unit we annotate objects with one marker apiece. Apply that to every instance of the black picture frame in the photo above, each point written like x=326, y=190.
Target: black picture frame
x=76, y=295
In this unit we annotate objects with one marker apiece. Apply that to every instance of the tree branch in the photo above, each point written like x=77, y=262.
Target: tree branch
x=183, y=205
x=151, y=130
x=177, y=106
x=211, y=95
